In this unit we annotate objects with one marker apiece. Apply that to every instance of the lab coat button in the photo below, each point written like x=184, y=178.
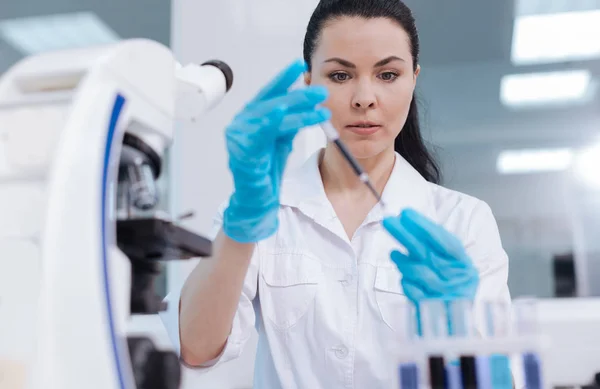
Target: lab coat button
x=341, y=352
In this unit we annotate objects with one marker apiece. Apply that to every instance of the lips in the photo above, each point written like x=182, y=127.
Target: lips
x=364, y=127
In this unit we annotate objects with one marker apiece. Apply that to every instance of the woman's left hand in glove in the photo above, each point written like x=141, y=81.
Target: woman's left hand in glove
x=437, y=265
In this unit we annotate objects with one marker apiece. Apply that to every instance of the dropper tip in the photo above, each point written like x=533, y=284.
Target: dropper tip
x=330, y=131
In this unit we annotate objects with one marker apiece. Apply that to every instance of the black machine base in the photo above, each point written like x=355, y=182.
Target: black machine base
x=155, y=239
x=147, y=242
x=153, y=369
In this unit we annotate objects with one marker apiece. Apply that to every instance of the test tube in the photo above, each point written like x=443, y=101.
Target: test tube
x=435, y=325
x=500, y=372
x=409, y=376
x=526, y=316
x=434, y=319
x=527, y=325
x=454, y=375
x=408, y=368
x=437, y=372
x=497, y=319
x=484, y=372
x=462, y=325
x=497, y=324
x=412, y=320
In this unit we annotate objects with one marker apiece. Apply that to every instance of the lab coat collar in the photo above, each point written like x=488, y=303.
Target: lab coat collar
x=406, y=188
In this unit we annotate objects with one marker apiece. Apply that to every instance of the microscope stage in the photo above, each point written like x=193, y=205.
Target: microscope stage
x=156, y=239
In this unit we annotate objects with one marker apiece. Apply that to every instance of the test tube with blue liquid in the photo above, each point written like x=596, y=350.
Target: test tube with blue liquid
x=408, y=369
x=497, y=320
x=527, y=325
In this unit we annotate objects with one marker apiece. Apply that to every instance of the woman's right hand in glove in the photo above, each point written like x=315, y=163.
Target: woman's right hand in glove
x=259, y=141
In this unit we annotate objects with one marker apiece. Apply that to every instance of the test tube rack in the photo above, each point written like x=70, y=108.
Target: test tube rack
x=518, y=345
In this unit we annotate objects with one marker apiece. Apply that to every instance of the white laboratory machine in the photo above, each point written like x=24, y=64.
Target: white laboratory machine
x=571, y=329
x=83, y=134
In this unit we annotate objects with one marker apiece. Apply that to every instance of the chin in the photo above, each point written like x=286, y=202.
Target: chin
x=366, y=148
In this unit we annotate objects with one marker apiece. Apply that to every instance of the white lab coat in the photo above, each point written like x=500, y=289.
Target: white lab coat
x=326, y=307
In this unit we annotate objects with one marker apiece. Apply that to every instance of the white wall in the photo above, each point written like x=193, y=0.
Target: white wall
x=257, y=40
x=205, y=30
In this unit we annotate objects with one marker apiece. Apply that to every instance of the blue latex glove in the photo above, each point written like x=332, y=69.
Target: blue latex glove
x=437, y=265
x=259, y=141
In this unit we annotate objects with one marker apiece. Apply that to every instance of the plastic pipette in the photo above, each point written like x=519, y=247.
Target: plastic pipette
x=333, y=136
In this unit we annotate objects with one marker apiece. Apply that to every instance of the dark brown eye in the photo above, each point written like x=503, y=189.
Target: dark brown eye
x=339, y=77
x=388, y=76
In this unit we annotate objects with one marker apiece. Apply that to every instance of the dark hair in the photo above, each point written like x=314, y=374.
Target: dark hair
x=409, y=143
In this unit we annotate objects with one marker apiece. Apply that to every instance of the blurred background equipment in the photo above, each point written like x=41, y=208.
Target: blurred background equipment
x=33, y=26
x=565, y=280
x=84, y=135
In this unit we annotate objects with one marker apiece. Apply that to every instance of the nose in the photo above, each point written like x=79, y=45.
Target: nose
x=364, y=97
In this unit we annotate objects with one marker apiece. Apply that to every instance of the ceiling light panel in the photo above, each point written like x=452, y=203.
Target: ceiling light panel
x=534, y=161
x=557, y=37
x=550, y=88
x=56, y=32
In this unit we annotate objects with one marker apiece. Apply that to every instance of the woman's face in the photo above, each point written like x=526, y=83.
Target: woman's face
x=366, y=64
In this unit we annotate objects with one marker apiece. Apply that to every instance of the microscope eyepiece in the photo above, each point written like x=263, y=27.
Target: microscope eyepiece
x=223, y=67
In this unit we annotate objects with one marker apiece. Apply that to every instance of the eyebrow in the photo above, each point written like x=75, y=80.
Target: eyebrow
x=349, y=64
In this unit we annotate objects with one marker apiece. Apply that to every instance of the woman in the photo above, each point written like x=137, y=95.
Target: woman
x=308, y=260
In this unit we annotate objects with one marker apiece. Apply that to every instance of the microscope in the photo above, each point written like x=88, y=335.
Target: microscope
x=83, y=231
